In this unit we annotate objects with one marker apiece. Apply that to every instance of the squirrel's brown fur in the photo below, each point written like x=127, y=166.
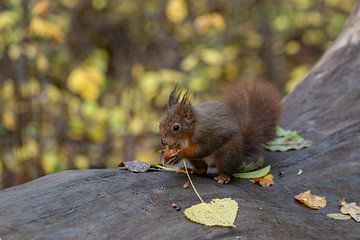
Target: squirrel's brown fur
x=231, y=130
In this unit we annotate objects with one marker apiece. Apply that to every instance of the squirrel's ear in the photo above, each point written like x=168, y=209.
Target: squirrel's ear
x=185, y=108
x=174, y=98
x=189, y=117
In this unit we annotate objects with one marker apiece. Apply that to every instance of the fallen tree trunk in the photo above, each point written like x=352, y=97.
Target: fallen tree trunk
x=114, y=204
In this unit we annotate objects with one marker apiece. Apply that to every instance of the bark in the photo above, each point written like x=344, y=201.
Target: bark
x=114, y=204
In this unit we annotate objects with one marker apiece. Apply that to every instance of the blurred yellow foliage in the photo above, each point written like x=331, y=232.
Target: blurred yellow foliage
x=69, y=3
x=8, y=119
x=53, y=93
x=99, y=4
x=31, y=88
x=254, y=40
x=14, y=51
x=42, y=63
x=41, y=28
x=52, y=162
x=297, y=74
x=30, y=149
x=7, y=19
x=211, y=56
x=303, y=4
x=176, y=10
x=188, y=63
x=206, y=22
x=7, y=90
x=281, y=23
x=40, y=7
x=148, y=156
x=197, y=83
x=313, y=36
x=86, y=81
x=81, y=161
x=292, y=47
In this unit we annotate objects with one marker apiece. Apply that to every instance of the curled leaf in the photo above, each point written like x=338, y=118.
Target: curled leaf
x=265, y=181
x=219, y=212
x=254, y=174
x=351, y=209
x=310, y=200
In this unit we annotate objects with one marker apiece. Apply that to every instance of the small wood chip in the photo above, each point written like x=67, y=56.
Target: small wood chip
x=186, y=184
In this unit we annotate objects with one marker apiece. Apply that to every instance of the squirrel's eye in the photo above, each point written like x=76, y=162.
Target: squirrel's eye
x=176, y=127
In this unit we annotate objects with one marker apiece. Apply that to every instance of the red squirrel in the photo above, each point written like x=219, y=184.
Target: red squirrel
x=231, y=131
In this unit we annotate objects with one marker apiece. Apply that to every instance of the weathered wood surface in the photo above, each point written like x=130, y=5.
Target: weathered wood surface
x=113, y=204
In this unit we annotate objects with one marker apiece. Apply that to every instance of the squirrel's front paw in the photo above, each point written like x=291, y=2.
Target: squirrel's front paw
x=174, y=158
x=223, y=179
x=171, y=156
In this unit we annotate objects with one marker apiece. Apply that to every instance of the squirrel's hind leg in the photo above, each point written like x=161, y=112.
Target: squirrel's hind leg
x=229, y=159
x=222, y=178
x=200, y=166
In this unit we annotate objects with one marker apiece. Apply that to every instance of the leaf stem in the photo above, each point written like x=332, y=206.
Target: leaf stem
x=192, y=185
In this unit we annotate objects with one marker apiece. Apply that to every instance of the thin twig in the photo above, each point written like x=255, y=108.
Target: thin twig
x=192, y=185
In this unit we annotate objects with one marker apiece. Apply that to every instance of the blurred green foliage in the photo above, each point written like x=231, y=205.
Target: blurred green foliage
x=84, y=83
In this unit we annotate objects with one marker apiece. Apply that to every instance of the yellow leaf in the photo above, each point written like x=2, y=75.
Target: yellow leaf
x=351, y=209
x=265, y=181
x=310, y=200
x=176, y=10
x=219, y=212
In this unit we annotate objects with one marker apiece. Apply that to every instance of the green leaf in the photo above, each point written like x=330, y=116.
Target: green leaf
x=253, y=165
x=287, y=140
x=254, y=174
x=338, y=216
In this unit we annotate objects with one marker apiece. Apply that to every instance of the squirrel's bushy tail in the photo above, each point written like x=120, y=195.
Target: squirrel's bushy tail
x=257, y=105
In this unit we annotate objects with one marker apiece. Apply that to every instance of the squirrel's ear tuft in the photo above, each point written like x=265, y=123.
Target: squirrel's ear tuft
x=174, y=97
x=185, y=107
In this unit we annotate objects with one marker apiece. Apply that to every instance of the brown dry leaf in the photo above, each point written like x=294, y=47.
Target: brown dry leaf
x=351, y=209
x=266, y=181
x=310, y=200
